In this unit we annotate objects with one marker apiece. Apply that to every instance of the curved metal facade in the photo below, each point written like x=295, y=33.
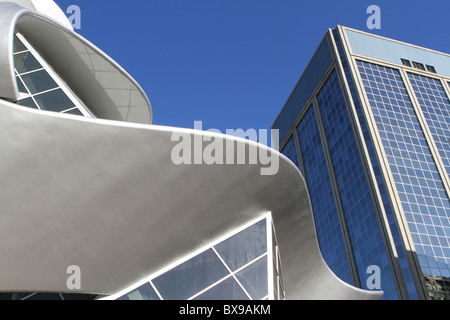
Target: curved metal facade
x=105, y=195
x=107, y=90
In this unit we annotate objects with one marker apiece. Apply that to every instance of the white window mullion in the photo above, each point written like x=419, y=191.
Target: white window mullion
x=270, y=258
x=61, y=84
x=22, y=95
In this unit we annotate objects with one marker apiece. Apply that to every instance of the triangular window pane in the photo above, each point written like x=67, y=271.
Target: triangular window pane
x=226, y=290
x=245, y=246
x=254, y=279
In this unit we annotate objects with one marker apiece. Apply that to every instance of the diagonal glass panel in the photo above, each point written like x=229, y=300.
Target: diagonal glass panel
x=254, y=279
x=144, y=292
x=20, y=85
x=26, y=62
x=18, y=45
x=28, y=102
x=38, y=81
x=55, y=100
x=192, y=276
x=245, y=246
x=226, y=290
x=75, y=111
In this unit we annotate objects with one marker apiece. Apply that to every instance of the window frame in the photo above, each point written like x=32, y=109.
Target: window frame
x=406, y=62
x=419, y=65
x=60, y=83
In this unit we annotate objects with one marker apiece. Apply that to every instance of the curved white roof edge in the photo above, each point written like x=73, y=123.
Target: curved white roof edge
x=51, y=9
x=105, y=87
x=46, y=7
x=107, y=197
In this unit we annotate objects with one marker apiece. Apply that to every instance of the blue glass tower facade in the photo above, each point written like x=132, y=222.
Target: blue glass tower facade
x=368, y=126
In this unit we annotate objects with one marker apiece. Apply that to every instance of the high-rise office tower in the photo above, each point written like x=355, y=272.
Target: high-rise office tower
x=368, y=126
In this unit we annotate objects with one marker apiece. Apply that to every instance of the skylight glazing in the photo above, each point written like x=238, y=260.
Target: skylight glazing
x=39, y=86
x=244, y=266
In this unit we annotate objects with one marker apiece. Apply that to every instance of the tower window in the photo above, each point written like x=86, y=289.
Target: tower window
x=406, y=62
x=431, y=69
x=418, y=65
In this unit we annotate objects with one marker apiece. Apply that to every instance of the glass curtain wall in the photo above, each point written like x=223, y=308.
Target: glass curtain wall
x=419, y=185
x=244, y=266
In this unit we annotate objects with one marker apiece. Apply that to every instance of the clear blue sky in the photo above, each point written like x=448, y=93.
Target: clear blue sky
x=233, y=63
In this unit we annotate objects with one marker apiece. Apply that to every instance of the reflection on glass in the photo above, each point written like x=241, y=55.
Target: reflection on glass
x=38, y=81
x=226, y=290
x=209, y=272
x=75, y=111
x=20, y=85
x=55, y=100
x=415, y=173
x=290, y=151
x=28, y=102
x=326, y=216
x=144, y=292
x=192, y=276
x=254, y=279
x=26, y=62
x=245, y=246
x=438, y=287
x=18, y=45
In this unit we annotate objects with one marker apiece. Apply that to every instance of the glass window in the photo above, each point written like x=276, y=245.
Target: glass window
x=406, y=62
x=18, y=45
x=28, y=102
x=144, y=292
x=291, y=152
x=415, y=173
x=21, y=87
x=418, y=65
x=431, y=69
x=226, y=290
x=326, y=215
x=192, y=276
x=75, y=111
x=207, y=277
x=355, y=195
x=244, y=247
x=54, y=100
x=26, y=62
x=254, y=279
x=38, y=81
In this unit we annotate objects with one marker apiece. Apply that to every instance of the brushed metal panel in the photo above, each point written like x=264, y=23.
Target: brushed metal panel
x=106, y=196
